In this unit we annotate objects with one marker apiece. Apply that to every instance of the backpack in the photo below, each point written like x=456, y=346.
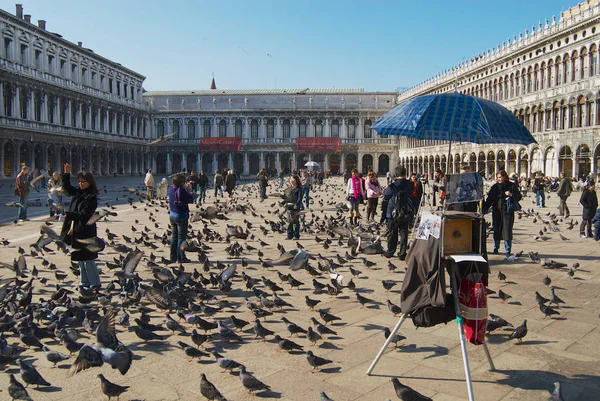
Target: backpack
x=404, y=209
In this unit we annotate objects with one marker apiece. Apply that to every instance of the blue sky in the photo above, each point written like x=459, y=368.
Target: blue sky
x=376, y=45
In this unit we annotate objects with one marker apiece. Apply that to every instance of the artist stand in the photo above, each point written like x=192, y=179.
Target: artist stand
x=451, y=262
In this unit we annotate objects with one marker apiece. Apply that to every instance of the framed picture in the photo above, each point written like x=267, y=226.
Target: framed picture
x=465, y=187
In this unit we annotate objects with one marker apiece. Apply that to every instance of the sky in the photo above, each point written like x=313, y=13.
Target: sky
x=250, y=44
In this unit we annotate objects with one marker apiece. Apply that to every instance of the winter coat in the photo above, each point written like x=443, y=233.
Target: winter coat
x=388, y=205
x=179, y=199
x=596, y=220
x=502, y=220
x=149, y=180
x=22, y=185
x=350, y=188
x=82, y=207
x=564, y=188
x=202, y=180
x=218, y=182
x=589, y=201
x=373, y=188
x=230, y=182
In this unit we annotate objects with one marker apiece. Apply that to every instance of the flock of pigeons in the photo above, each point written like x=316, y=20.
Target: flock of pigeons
x=196, y=306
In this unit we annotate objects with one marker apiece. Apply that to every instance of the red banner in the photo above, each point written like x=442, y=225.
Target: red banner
x=318, y=144
x=221, y=143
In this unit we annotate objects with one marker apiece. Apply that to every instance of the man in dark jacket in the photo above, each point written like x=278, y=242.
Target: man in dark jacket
x=417, y=193
x=589, y=201
x=564, y=191
x=202, y=185
x=539, y=185
x=387, y=207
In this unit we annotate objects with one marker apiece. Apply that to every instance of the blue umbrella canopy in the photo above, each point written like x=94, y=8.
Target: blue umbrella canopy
x=453, y=117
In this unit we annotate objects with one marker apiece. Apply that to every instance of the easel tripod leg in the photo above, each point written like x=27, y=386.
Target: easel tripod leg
x=463, y=345
x=387, y=342
x=488, y=356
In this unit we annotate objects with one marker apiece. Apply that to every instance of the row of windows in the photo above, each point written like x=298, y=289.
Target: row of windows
x=563, y=69
x=270, y=128
x=72, y=71
x=57, y=110
x=584, y=113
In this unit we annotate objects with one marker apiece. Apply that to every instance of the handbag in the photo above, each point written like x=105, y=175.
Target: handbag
x=512, y=205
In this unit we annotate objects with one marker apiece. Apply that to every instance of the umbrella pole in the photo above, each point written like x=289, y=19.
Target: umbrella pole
x=449, y=153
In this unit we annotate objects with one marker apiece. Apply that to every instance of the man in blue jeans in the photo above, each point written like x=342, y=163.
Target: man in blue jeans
x=22, y=191
x=540, y=185
x=306, y=182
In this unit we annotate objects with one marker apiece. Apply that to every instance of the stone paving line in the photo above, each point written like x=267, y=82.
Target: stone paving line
x=429, y=360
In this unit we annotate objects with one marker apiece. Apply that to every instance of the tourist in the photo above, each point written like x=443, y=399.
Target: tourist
x=387, y=207
x=539, y=187
x=202, y=185
x=500, y=195
x=596, y=223
x=589, y=201
x=355, y=194
x=179, y=199
x=54, y=193
x=373, y=194
x=218, y=183
x=230, y=183
x=162, y=189
x=307, y=182
x=22, y=191
x=565, y=187
x=84, y=200
x=149, y=182
x=417, y=192
x=281, y=178
x=293, y=204
x=438, y=185
x=193, y=179
x=263, y=182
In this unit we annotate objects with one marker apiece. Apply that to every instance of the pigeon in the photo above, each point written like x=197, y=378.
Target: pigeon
x=501, y=276
x=328, y=317
x=363, y=300
x=225, y=363
x=111, y=389
x=503, y=296
x=312, y=336
x=397, y=337
x=311, y=303
x=495, y=322
x=251, y=382
x=54, y=357
x=30, y=375
x=293, y=328
x=388, y=284
x=555, y=299
x=547, y=281
x=557, y=393
x=395, y=309
x=324, y=397
x=261, y=331
x=519, y=332
x=406, y=393
x=16, y=390
x=548, y=310
x=316, y=361
x=540, y=299
x=190, y=351
x=287, y=345
x=208, y=390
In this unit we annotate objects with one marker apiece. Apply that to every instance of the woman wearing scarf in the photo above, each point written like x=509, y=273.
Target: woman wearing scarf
x=499, y=196
x=179, y=211
x=373, y=194
x=355, y=193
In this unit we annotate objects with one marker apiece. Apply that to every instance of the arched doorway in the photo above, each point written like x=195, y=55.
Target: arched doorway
x=176, y=166
x=9, y=154
x=111, y=167
x=222, y=161
x=238, y=163
x=269, y=161
x=63, y=156
x=473, y=161
x=597, y=159
x=501, y=160
x=425, y=165
x=565, y=161
x=207, y=161
x=52, y=160
x=523, y=163
x=551, y=169
x=367, y=164
x=24, y=155
x=511, y=162
x=254, y=163
x=491, y=164
x=350, y=161
x=286, y=163
x=584, y=161
x=443, y=163
x=103, y=162
x=334, y=163
x=38, y=157
x=481, y=162
x=75, y=159
x=537, y=163
x=301, y=160
x=191, y=162
x=319, y=158
x=384, y=164
x=457, y=162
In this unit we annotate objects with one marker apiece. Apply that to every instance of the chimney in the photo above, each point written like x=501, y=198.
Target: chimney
x=28, y=18
x=80, y=44
x=19, y=12
x=42, y=24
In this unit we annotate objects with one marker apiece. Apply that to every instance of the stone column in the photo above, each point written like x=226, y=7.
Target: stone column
x=31, y=113
x=2, y=143
x=278, y=133
x=342, y=162
x=246, y=169
x=326, y=162
x=262, y=130
x=278, y=162
x=343, y=128
x=310, y=128
x=326, y=128
x=376, y=163
x=229, y=161
x=359, y=164
x=17, y=103
x=261, y=161
x=169, y=166
x=215, y=166
x=215, y=128
x=294, y=128
x=2, y=113
x=199, y=162
x=294, y=161
x=184, y=162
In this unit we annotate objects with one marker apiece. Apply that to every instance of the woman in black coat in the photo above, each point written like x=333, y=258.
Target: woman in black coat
x=83, y=206
x=589, y=201
x=502, y=219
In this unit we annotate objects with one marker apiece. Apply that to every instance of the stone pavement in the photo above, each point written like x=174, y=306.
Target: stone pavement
x=562, y=349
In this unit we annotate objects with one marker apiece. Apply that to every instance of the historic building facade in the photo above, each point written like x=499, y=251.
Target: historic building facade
x=248, y=130
x=549, y=77
x=62, y=102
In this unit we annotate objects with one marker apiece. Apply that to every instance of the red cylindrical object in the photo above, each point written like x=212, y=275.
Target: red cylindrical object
x=473, y=306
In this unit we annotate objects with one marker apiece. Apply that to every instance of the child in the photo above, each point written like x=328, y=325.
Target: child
x=596, y=223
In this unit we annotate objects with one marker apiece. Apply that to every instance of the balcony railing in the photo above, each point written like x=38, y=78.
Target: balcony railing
x=82, y=133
